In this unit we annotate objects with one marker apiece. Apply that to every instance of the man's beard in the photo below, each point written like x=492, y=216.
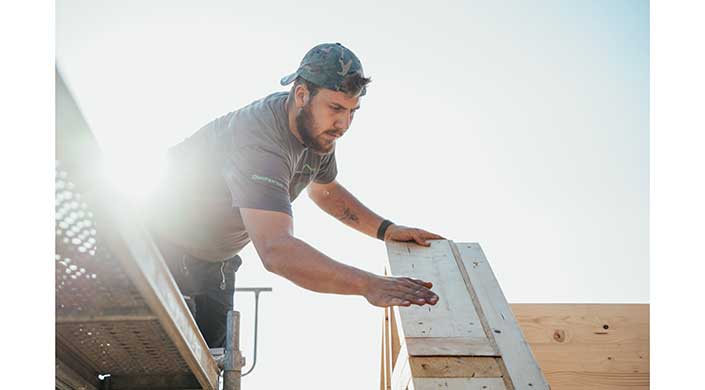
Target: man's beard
x=305, y=125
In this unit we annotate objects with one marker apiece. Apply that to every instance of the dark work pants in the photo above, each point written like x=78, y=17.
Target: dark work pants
x=208, y=288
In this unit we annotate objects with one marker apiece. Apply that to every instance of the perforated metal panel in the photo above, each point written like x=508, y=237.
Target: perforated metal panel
x=87, y=280
x=125, y=347
x=101, y=317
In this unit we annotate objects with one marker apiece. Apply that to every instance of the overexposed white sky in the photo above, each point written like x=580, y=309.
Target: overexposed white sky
x=524, y=127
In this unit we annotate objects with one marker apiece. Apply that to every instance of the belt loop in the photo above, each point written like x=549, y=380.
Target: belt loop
x=222, y=275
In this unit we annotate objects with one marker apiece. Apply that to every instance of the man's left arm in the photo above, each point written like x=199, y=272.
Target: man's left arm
x=334, y=199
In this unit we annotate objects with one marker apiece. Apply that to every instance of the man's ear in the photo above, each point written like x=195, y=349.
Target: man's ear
x=301, y=95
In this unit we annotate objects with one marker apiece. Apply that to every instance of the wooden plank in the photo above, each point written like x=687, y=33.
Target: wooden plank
x=454, y=367
x=394, y=337
x=520, y=363
x=458, y=384
x=597, y=380
x=450, y=346
x=401, y=376
x=453, y=318
x=625, y=358
x=570, y=339
x=607, y=324
x=382, y=371
x=575, y=350
x=387, y=350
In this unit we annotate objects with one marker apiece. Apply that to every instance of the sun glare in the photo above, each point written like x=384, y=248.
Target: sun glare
x=135, y=174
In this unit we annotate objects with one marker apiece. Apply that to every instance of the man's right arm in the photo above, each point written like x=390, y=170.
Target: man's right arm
x=282, y=253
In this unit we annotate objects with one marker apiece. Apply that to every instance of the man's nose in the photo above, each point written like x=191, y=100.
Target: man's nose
x=343, y=122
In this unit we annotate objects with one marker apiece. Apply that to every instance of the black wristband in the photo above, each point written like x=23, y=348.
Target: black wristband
x=383, y=228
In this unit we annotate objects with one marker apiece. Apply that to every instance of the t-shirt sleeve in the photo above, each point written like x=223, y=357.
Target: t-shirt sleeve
x=259, y=178
x=328, y=171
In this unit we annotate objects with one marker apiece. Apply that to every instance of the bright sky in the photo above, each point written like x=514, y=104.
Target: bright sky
x=522, y=127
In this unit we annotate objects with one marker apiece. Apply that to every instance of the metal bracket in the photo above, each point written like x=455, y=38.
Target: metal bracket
x=256, y=291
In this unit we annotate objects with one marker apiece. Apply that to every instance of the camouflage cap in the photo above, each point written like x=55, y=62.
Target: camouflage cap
x=327, y=65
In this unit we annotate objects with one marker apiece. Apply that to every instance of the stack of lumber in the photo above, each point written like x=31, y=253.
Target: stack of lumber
x=473, y=339
x=468, y=340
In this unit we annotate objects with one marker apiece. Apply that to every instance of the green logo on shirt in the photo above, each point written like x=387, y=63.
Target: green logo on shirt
x=269, y=180
x=306, y=170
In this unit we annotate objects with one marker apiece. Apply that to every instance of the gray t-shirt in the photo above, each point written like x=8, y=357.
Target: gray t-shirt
x=248, y=158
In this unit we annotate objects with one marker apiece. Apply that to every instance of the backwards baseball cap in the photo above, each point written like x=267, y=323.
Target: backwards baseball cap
x=327, y=65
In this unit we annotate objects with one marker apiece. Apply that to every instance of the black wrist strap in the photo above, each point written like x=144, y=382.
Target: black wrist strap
x=383, y=228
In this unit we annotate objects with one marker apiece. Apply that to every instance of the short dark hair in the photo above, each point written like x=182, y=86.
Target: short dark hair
x=354, y=83
x=312, y=88
x=351, y=85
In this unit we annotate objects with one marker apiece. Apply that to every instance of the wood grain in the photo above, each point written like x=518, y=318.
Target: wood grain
x=576, y=352
x=457, y=384
x=520, y=363
x=454, y=367
x=453, y=317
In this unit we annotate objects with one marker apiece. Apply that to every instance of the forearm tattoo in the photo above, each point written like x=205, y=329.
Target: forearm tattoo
x=344, y=213
x=349, y=215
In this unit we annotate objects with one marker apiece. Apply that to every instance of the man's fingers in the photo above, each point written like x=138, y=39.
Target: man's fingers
x=408, y=300
x=415, y=283
x=431, y=236
x=404, y=291
x=422, y=288
x=419, y=240
x=402, y=302
x=420, y=293
x=421, y=282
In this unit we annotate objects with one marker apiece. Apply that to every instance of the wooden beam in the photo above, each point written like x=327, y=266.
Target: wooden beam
x=394, y=337
x=458, y=384
x=521, y=366
x=578, y=346
x=585, y=346
x=383, y=360
x=454, y=367
x=452, y=327
x=597, y=380
x=401, y=375
x=583, y=323
x=449, y=346
x=387, y=352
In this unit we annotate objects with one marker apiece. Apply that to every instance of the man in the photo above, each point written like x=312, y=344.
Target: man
x=233, y=182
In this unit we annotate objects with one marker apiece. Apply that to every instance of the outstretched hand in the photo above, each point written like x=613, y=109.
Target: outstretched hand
x=384, y=291
x=403, y=233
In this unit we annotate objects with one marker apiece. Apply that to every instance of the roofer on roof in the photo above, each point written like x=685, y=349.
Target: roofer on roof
x=233, y=182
